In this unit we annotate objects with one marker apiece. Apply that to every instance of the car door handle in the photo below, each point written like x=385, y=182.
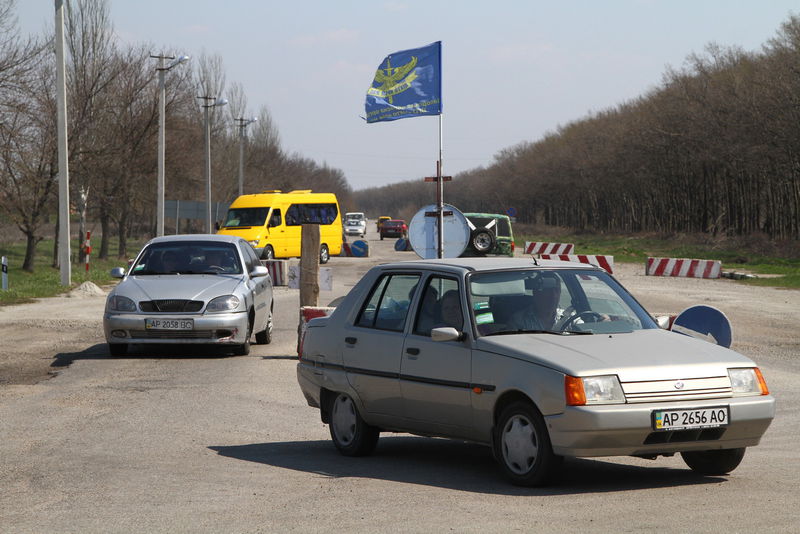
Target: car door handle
x=350, y=340
x=412, y=350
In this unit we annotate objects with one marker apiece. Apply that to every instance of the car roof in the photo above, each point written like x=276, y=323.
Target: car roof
x=218, y=238
x=488, y=264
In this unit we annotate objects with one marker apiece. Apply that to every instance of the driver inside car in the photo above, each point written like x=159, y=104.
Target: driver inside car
x=540, y=311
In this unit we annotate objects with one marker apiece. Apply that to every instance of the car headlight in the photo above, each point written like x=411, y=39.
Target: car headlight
x=748, y=381
x=254, y=243
x=580, y=391
x=224, y=303
x=118, y=303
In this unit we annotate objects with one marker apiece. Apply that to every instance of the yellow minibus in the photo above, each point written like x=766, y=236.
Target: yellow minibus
x=270, y=221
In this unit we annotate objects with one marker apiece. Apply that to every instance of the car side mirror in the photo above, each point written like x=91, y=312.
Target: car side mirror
x=446, y=333
x=259, y=271
x=117, y=272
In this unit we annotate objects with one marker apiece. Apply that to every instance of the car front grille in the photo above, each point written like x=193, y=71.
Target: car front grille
x=683, y=436
x=171, y=305
x=677, y=390
x=176, y=334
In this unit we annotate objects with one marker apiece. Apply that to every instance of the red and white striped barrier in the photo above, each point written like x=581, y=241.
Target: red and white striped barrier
x=604, y=262
x=277, y=270
x=689, y=268
x=536, y=247
x=306, y=314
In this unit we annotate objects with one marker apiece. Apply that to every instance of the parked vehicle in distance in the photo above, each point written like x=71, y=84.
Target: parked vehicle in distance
x=200, y=289
x=394, y=228
x=381, y=220
x=355, y=215
x=271, y=222
x=537, y=360
x=490, y=233
x=356, y=227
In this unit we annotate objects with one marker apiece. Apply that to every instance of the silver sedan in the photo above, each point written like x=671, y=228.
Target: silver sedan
x=201, y=289
x=539, y=361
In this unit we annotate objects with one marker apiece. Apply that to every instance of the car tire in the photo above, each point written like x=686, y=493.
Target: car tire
x=244, y=348
x=712, y=463
x=268, y=253
x=324, y=254
x=118, y=349
x=522, y=446
x=349, y=433
x=482, y=240
x=265, y=336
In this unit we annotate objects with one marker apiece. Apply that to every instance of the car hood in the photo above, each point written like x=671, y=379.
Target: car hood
x=178, y=286
x=634, y=356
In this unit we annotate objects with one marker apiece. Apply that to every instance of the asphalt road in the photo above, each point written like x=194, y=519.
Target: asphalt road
x=195, y=441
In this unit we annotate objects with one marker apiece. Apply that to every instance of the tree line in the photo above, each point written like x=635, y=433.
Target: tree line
x=714, y=148
x=112, y=113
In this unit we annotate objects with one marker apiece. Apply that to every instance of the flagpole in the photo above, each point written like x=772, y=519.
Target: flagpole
x=440, y=195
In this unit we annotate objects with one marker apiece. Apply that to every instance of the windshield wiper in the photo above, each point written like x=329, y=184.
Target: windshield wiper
x=531, y=331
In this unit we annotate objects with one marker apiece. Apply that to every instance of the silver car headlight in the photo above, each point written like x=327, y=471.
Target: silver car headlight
x=223, y=304
x=747, y=381
x=605, y=389
x=118, y=303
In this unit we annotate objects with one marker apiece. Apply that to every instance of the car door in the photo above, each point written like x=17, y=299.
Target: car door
x=373, y=344
x=437, y=376
x=261, y=287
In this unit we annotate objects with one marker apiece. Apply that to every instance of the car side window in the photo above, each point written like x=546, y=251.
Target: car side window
x=250, y=260
x=387, y=306
x=275, y=218
x=431, y=312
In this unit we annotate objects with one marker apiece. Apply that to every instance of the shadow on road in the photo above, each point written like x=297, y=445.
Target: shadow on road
x=455, y=465
x=99, y=351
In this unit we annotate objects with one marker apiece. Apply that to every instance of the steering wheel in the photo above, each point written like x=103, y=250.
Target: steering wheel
x=596, y=318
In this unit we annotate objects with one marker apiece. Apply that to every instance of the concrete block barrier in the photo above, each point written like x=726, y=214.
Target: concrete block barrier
x=684, y=267
x=602, y=261
x=277, y=270
x=537, y=247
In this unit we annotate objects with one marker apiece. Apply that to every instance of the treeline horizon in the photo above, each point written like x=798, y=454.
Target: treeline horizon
x=112, y=115
x=715, y=148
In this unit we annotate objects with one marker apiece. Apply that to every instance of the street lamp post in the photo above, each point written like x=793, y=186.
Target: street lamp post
x=215, y=102
x=162, y=70
x=242, y=123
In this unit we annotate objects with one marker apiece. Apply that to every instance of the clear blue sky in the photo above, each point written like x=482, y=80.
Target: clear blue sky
x=512, y=69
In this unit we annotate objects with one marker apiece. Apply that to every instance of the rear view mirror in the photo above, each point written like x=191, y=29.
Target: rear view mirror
x=118, y=272
x=445, y=333
x=259, y=271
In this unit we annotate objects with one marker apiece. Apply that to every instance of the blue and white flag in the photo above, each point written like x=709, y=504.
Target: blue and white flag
x=407, y=84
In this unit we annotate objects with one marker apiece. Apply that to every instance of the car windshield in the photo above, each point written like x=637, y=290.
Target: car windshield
x=238, y=217
x=557, y=301
x=188, y=257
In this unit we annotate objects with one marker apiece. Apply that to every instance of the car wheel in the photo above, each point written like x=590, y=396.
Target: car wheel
x=351, y=435
x=118, y=349
x=244, y=348
x=268, y=253
x=482, y=240
x=324, y=254
x=522, y=446
x=265, y=336
x=716, y=462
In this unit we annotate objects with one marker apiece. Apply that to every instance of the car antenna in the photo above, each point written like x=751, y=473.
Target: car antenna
x=535, y=262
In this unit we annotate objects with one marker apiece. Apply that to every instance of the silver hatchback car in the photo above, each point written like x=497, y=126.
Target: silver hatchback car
x=201, y=289
x=537, y=360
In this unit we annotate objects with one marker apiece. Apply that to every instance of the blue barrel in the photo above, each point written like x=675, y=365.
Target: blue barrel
x=360, y=249
x=402, y=245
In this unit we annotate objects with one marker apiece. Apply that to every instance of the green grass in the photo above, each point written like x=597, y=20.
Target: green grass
x=734, y=256
x=45, y=281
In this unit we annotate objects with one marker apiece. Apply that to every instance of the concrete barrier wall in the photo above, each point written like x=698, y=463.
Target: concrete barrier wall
x=536, y=247
x=602, y=261
x=685, y=267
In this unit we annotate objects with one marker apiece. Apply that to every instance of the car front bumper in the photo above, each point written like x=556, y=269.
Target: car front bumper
x=216, y=329
x=626, y=429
